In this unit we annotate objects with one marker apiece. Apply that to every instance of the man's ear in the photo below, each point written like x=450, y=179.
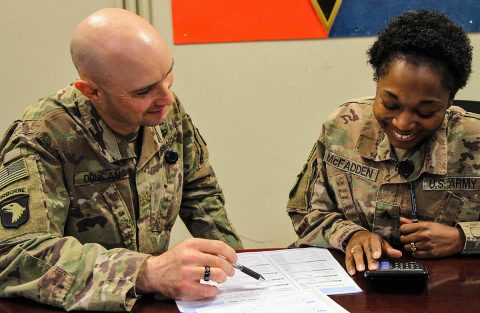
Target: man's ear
x=88, y=88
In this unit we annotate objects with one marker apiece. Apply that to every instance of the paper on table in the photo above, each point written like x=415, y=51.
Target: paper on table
x=314, y=268
x=305, y=301
x=284, y=271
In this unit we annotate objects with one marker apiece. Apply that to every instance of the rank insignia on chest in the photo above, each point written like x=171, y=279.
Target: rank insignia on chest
x=14, y=209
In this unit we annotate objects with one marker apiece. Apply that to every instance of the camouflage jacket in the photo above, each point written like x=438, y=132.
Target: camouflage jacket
x=351, y=181
x=71, y=235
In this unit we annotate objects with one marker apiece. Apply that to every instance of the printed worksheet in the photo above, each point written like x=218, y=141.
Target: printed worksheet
x=285, y=271
x=305, y=301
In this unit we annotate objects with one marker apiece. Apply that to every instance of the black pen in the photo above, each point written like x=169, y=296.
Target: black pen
x=413, y=201
x=248, y=271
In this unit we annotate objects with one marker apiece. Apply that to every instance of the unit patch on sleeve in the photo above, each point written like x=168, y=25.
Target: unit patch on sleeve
x=353, y=167
x=451, y=183
x=14, y=209
x=13, y=172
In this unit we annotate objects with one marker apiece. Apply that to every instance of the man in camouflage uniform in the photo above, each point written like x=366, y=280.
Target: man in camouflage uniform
x=94, y=177
x=356, y=192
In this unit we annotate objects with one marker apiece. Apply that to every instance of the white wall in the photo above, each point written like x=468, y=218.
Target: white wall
x=259, y=105
x=34, y=55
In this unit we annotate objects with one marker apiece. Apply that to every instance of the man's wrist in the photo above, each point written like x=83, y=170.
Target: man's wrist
x=142, y=283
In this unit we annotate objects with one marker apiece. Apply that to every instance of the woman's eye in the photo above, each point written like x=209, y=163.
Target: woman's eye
x=425, y=114
x=389, y=106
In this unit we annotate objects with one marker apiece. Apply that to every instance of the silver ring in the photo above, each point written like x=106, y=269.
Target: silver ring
x=206, y=276
x=353, y=248
x=413, y=246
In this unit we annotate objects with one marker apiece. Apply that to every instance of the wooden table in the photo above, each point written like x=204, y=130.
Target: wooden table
x=453, y=286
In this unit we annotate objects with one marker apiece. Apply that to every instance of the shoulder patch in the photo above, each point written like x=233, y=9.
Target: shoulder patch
x=13, y=172
x=353, y=167
x=11, y=155
x=14, y=210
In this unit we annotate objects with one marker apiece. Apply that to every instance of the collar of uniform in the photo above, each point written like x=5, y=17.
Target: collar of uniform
x=126, y=147
x=150, y=145
x=436, y=156
x=373, y=144
x=155, y=140
x=103, y=136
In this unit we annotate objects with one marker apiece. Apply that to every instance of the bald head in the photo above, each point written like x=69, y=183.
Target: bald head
x=111, y=42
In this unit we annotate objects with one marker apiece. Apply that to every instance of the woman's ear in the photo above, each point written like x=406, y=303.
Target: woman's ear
x=88, y=88
x=450, y=103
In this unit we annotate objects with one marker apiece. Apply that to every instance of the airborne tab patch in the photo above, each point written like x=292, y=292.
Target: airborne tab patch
x=14, y=209
x=451, y=183
x=353, y=167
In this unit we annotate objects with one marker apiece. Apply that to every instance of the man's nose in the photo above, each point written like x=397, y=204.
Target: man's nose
x=164, y=95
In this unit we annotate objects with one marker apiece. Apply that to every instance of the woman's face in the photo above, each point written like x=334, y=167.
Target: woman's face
x=410, y=103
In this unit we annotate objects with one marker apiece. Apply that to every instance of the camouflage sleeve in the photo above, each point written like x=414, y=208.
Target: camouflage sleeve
x=36, y=261
x=472, y=237
x=203, y=204
x=313, y=210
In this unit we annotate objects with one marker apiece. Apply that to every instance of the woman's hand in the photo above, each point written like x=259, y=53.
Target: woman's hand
x=430, y=239
x=365, y=245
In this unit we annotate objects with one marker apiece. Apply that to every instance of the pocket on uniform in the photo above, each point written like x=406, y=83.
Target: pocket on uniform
x=469, y=211
x=120, y=210
x=346, y=201
x=450, y=207
x=103, y=218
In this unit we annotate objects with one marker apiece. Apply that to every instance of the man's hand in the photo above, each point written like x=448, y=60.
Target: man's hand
x=367, y=245
x=431, y=240
x=177, y=272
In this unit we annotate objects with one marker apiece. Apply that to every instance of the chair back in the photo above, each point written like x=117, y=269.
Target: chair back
x=468, y=105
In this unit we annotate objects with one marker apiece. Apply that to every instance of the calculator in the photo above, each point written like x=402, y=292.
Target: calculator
x=398, y=271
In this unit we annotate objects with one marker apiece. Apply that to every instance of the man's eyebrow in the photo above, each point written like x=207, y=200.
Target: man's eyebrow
x=155, y=83
x=171, y=68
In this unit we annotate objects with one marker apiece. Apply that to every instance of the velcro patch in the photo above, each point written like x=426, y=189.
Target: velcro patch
x=169, y=140
x=13, y=172
x=85, y=178
x=14, y=210
x=451, y=183
x=353, y=167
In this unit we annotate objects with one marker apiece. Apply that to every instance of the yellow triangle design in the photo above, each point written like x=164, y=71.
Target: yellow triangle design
x=327, y=24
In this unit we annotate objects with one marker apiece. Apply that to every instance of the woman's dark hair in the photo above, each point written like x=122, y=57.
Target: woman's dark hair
x=425, y=37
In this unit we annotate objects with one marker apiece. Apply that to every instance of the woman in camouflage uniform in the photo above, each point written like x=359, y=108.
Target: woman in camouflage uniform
x=398, y=171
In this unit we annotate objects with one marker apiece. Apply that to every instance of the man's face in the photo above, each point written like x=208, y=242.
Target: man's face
x=134, y=89
x=410, y=103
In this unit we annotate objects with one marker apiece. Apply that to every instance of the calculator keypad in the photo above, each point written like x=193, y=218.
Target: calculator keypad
x=395, y=265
